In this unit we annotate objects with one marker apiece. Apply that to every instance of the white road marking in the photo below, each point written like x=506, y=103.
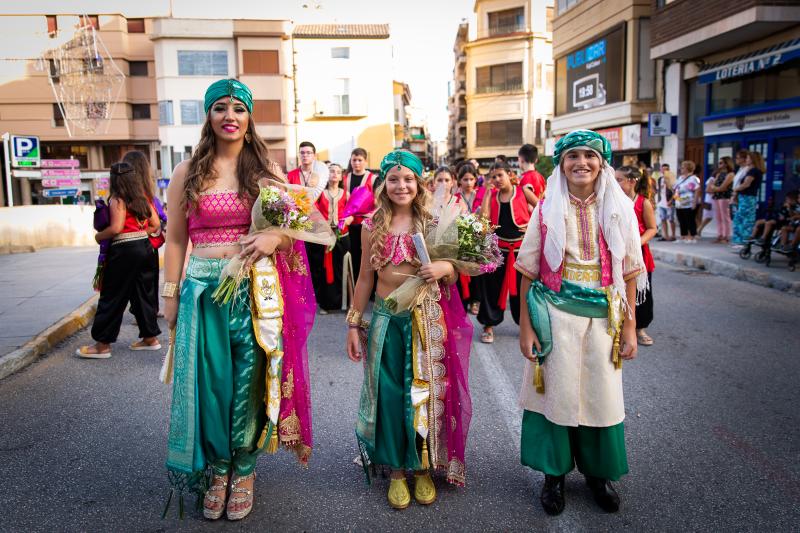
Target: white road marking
x=504, y=392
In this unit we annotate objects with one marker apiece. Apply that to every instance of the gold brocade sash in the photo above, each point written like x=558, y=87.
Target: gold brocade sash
x=267, y=313
x=429, y=385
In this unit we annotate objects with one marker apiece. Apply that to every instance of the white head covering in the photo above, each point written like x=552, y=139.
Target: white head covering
x=617, y=220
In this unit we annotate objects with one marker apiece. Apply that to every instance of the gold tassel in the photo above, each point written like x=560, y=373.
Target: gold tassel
x=272, y=447
x=615, y=358
x=426, y=464
x=538, y=378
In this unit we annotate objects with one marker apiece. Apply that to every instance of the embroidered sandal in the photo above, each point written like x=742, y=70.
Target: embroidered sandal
x=424, y=489
x=487, y=337
x=238, y=500
x=214, y=505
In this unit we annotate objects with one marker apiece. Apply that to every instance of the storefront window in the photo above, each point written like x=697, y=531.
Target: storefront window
x=785, y=167
x=774, y=84
x=697, y=109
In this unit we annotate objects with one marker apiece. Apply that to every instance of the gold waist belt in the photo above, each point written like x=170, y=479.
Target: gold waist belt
x=129, y=236
x=581, y=273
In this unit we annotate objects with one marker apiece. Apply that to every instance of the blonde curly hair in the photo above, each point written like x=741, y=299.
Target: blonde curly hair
x=382, y=218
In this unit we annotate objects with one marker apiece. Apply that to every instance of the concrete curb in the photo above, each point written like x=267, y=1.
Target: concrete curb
x=44, y=341
x=727, y=269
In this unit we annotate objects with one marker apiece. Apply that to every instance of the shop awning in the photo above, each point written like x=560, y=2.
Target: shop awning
x=751, y=63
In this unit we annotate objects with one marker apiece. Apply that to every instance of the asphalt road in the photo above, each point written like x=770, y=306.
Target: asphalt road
x=712, y=431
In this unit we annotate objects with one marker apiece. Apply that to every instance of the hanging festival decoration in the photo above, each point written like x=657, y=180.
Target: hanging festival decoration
x=85, y=80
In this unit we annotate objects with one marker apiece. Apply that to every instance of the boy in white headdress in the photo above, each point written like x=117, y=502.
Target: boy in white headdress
x=582, y=265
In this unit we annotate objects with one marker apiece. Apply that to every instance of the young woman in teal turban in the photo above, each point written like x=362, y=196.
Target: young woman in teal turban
x=219, y=401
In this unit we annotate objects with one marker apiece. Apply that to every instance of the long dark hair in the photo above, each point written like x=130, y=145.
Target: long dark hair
x=253, y=164
x=142, y=169
x=126, y=186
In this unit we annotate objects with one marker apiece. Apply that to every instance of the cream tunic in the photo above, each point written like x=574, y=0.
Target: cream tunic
x=582, y=387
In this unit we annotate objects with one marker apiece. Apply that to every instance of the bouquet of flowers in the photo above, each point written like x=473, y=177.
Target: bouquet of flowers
x=285, y=209
x=465, y=240
x=477, y=242
x=102, y=219
x=281, y=208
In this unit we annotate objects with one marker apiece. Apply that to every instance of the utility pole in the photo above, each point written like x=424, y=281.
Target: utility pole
x=7, y=162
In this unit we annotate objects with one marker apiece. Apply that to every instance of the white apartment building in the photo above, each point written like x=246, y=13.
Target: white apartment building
x=345, y=90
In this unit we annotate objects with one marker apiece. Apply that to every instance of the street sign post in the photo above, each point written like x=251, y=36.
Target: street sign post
x=60, y=172
x=659, y=124
x=55, y=193
x=25, y=151
x=60, y=163
x=61, y=182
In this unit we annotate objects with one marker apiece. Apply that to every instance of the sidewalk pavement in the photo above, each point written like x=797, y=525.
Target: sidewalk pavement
x=47, y=296
x=724, y=260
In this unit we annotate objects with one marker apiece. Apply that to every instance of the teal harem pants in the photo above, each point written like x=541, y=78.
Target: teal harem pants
x=554, y=449
x=230, y=374
x=385, y=425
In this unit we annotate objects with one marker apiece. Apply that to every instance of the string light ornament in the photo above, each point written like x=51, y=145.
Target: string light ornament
x=85, y=80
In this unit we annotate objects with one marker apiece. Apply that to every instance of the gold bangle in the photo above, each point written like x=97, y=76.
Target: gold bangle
x=353, y=317
x=170, y=289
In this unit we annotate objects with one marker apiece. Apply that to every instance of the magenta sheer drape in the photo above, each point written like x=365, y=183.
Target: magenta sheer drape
x=298, y=319
x=458, y=403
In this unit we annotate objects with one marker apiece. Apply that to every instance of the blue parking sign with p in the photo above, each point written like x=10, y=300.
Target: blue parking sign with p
x=25, y=151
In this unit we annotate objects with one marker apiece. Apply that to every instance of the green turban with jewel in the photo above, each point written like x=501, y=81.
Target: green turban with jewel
x=231, y=88
x=402, y=158
x=582, y=139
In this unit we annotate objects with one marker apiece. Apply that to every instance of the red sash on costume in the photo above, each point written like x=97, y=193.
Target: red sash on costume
x=464, y=280
x=510, y=278
x=520, y=209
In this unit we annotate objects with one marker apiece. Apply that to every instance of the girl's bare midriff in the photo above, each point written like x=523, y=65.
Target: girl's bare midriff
x=391, y=277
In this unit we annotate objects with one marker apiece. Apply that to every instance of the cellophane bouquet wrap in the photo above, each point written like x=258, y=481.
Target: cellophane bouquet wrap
x=360, y=204
x=281, y=208
x=463, y=239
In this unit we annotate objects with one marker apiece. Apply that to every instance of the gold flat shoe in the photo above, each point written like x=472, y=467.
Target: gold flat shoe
x=399, y=496
x=424, y=489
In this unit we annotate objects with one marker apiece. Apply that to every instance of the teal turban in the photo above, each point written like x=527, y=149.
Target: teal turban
x=232, y=88
x=582, y=139
x=399, y=158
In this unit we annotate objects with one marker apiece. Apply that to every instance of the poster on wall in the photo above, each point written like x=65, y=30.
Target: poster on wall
x=592, y=75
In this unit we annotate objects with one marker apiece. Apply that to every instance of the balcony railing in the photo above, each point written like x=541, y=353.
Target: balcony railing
x=501, y=88
x=498, y=30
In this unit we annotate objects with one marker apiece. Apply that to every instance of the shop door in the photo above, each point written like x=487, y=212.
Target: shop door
x=762, y=147
x=785, y=167
x=694, y=152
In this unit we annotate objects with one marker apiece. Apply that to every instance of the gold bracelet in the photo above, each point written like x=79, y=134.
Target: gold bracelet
x=353, y=317
x=170, y=289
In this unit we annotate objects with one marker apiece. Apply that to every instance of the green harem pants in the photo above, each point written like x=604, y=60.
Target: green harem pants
x=554, y=449
x=396, y=442
x=230, y=380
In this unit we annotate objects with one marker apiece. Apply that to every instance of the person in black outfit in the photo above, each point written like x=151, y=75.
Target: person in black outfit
x=357, y=175
x=130, y=266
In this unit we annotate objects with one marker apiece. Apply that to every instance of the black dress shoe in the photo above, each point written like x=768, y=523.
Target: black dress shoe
x=552, y=497
x=604, y=494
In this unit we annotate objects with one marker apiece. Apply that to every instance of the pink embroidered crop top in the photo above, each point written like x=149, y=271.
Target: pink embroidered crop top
x=397, y=248
x=220, y=218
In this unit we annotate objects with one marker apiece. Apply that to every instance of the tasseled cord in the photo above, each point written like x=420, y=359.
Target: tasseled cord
x=425, y=460
x=181, y=483
x=272, y=447
x=538, y=377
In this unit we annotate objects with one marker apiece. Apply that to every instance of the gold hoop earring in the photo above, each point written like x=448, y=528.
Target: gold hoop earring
x=248, y=138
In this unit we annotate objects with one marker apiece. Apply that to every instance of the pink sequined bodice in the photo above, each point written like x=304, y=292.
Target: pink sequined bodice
x=398, y=248
x=220, y=218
